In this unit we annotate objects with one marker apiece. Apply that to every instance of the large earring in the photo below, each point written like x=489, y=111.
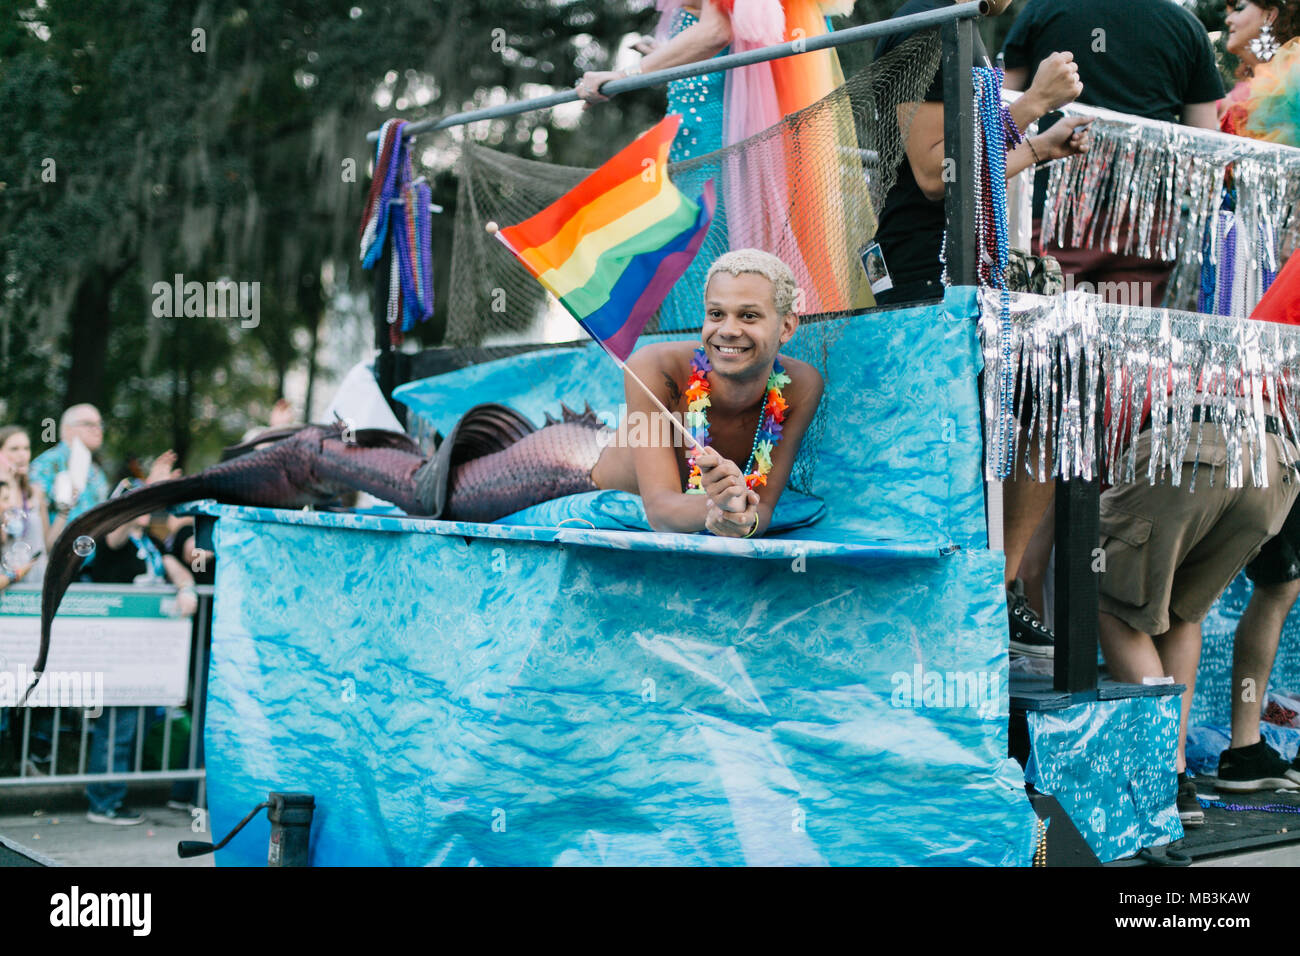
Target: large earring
x=1264, y=45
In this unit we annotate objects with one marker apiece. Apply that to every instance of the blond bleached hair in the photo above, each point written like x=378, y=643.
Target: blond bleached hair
x=739, y=261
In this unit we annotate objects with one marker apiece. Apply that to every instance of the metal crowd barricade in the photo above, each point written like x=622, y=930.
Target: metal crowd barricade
x=17, y=739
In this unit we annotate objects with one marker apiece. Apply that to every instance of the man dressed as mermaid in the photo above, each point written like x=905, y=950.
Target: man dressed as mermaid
x=747, y=407
x=748, y=316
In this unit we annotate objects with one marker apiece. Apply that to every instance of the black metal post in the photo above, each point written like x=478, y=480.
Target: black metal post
x=959, y=149
x=1078, y=533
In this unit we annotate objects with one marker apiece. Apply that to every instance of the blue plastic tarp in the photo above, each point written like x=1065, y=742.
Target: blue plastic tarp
x=1121, y=797
x=608, y=706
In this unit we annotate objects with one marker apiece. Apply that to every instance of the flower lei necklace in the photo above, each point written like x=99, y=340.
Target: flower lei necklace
x=765, y=437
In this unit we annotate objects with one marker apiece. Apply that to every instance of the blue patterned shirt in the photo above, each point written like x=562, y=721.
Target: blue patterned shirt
x=48, y=464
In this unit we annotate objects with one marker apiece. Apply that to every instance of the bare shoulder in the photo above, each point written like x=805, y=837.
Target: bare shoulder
x=663, y=356
x=805, y=381
x=665, y=366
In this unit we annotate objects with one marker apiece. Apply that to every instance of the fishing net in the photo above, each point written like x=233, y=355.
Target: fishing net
x=836, y=161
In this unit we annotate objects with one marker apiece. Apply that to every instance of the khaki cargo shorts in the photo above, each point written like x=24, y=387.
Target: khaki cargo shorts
x=1175, y=550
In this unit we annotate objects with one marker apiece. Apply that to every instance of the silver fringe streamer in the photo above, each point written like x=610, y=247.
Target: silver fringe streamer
x=1163, y=183
x=1072, y=350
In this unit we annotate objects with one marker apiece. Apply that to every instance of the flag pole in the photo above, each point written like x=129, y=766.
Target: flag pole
x=494, y=230
x=653, y=397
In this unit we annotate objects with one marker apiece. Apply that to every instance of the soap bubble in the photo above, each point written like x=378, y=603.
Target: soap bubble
x=16, y=556
x=83, y=546
x=14, y=522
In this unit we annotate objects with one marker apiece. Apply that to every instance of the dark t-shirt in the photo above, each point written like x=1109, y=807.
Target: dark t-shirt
x=176, y=548
x=912, y=226
x=1144, y=57
x=125, y=564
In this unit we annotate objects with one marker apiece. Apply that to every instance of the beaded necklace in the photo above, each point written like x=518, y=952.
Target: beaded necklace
x=993, y=243
x=766, y=435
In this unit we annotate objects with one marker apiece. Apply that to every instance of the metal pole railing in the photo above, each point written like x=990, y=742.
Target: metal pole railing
x=959, y=149
x=868, y=31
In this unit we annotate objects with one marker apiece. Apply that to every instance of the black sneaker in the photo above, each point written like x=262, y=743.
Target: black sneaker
x=1257, y=767
x=120, y=817
x=1029, y=636
x=1189, y=808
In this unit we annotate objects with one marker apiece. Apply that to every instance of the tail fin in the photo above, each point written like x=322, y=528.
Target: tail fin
x=64, y=563
x=482, y=430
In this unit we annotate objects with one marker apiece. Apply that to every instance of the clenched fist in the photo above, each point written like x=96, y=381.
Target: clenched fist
x=1057, y=82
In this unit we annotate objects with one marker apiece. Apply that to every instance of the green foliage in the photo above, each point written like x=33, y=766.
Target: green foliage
x=222, y=153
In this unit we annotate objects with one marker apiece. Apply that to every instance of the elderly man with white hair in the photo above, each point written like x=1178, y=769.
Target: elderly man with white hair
x=67, y=473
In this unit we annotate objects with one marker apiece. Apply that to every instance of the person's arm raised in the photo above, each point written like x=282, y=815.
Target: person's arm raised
x=1056, y=83
x=700, y=41
x=180, y=576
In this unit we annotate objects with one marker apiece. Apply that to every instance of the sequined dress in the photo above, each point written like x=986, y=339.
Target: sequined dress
x=699, y=102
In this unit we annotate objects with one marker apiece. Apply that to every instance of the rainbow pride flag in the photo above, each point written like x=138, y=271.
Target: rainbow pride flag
x=611, y=248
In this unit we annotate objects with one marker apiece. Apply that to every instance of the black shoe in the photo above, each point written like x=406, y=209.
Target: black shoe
x=1189, y=808
x=1257, y=767
x=1293, y=773
x=1029, y=636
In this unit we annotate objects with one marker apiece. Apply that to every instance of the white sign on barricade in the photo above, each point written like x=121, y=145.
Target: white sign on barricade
x=111, y=646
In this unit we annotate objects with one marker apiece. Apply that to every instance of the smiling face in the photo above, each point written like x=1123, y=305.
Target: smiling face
x=742, y=330
x=1245, y=19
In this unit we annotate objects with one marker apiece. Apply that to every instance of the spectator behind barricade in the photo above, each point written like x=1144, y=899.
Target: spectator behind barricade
x=910, y=236
x=9, y=574
x=129, y=555
x=67, y=473
x=18, y=563
x=72, y=483
x=1149, y=58
x=181, y=545
x=19, y=559
x=29, y=520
